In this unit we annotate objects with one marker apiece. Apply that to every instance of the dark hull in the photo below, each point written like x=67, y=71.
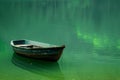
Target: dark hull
x=48, y=54
x=42, y=54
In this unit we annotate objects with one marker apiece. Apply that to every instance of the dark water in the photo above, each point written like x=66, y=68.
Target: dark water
x=88, y=28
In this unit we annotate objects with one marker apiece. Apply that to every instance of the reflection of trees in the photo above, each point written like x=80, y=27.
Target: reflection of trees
x=99, y=15
x=59, y=15
x=66, y=10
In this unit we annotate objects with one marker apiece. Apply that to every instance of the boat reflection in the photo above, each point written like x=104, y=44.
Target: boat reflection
x=50, y=70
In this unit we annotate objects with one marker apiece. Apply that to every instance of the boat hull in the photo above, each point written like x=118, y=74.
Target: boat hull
x=48, y=54
x=43, y=54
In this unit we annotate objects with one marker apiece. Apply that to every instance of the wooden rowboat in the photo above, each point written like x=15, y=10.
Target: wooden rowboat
x=37, y=50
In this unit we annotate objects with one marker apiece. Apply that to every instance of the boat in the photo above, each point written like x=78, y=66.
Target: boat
x=37, y=50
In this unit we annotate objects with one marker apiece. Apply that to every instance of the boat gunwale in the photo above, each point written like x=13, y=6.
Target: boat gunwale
x=52, y=47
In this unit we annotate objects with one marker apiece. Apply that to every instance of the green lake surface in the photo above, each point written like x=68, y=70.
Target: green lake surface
x=90, y=29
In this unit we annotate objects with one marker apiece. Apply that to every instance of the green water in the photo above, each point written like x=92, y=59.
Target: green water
x=88, y=28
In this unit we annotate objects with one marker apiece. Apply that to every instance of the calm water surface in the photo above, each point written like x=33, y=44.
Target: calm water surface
x=88, y=28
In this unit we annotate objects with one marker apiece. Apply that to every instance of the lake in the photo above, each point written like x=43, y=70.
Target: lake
x=88, y=28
